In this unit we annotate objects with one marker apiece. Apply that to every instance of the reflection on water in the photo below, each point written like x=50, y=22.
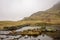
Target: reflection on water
x=45, y=36
x=40, y=37
x=28, y=27
x=19, y=37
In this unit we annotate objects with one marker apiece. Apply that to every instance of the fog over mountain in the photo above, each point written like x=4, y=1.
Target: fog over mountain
x=18, y=9
x=50, y=15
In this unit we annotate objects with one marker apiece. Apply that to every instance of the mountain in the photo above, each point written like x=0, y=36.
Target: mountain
x=55, y=7
x=50, y=15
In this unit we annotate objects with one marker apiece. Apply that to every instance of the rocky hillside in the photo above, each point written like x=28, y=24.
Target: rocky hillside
x=50, y=15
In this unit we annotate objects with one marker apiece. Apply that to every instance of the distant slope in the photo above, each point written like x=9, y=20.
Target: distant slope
x=50, y=15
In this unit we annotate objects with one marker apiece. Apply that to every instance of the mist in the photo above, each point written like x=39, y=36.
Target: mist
x=18, y=9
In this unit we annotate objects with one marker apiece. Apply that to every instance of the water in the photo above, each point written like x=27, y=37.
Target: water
x=47, y=36
x=19, y=37
x=29, y=27
x=26, y=28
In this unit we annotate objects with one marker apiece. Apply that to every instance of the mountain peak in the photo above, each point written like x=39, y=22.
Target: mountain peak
x=51, y=15
x=55, y=7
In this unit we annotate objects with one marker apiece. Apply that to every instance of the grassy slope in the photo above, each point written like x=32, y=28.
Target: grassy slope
x=6, y=23
x=51, y=16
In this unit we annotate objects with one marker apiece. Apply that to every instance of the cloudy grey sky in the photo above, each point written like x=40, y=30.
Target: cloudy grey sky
x=18, y=9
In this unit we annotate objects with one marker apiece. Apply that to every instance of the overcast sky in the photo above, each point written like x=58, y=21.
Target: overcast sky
x=18, y=9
